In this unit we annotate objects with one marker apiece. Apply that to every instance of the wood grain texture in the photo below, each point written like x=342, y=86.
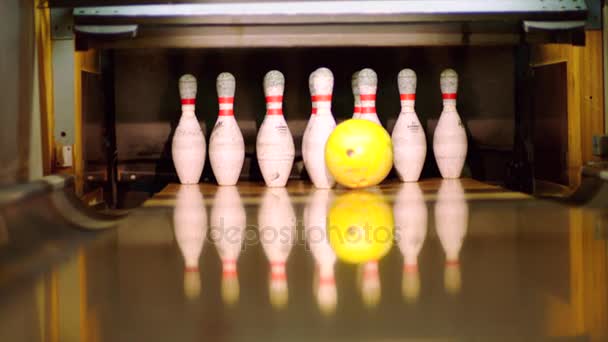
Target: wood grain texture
x=585, y=95
x=45, y=85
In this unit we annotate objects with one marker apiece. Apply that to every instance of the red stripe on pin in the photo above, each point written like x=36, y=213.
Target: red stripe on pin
x=321, y=98
x=327, y=281
x=452, y=263
x=274, y=111
x=276, y=98
x=450, y=96
x=367, y=97
x=408, y=97
x=192, y=269
x=357, y=110
x=229, y=274
x=410, y=268
x=313, y=111
x=278, y=276
x=368, y=110
x=226, y=112
x=188, y=101
x=224, y=100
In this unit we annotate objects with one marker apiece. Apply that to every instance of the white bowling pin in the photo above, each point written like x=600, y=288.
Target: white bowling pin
x=451, y=221
x=411, y=225
x=450, y=138
x=190, y=227
x=188, y=145
x=226, y=145
x=228, y=222
x=367, y=81
x=322, y=83
x=357, y=104
x=409, y=141
x=324, y=284
x=277, y=227
x=370, y=284
x=274, y=145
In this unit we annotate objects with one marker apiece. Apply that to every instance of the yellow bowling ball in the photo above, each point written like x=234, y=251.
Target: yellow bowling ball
x=360, y=227
x=359, y=153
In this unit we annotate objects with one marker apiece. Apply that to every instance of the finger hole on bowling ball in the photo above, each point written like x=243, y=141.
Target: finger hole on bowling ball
x=350, y=152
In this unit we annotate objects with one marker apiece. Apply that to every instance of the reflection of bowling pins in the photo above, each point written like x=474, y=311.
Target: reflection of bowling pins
x=188, y=144
x=277, y=224
x=190, y=224
x=409, y=141
x=324, y=284
x=451, y=220
x=274, y=143
x=228, y=222
x=367, y=81
x=450, y=137
x=410, y=221
x=357, y=105
x=370, y=284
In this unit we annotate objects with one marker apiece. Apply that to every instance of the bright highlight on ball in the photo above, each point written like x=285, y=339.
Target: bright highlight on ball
x=359, y=153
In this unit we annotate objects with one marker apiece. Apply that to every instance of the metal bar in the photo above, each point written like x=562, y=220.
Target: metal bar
x=107, y=30
x=253, y=36
x=294, y=12
x=338, y=7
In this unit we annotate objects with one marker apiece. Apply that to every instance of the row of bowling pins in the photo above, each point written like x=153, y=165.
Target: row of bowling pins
x=276, y=218
x=275, y=146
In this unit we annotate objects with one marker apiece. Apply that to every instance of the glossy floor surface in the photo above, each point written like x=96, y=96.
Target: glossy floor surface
x=466, y=261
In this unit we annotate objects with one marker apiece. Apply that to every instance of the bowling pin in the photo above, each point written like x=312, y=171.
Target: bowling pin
x=409, y=141
x=367, y=82
x=228, y=222
x=451, y=221
x=277, y=228
x=313, y=149
x=188, y=145
x=324, y=284
x=355, y=86
x=410, y=214
x=274, y=145
x=450, y=138
x=190, y=227
x=370, y=284
x=226, y=145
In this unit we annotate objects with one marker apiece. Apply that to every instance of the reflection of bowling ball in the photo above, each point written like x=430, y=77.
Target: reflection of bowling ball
x=359, y=153
x=361, y=226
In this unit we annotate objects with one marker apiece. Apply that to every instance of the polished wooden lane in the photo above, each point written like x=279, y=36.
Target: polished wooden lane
x=525, y=270
x=298, y=191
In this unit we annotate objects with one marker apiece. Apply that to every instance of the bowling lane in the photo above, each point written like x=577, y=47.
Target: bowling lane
x=469, y=261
